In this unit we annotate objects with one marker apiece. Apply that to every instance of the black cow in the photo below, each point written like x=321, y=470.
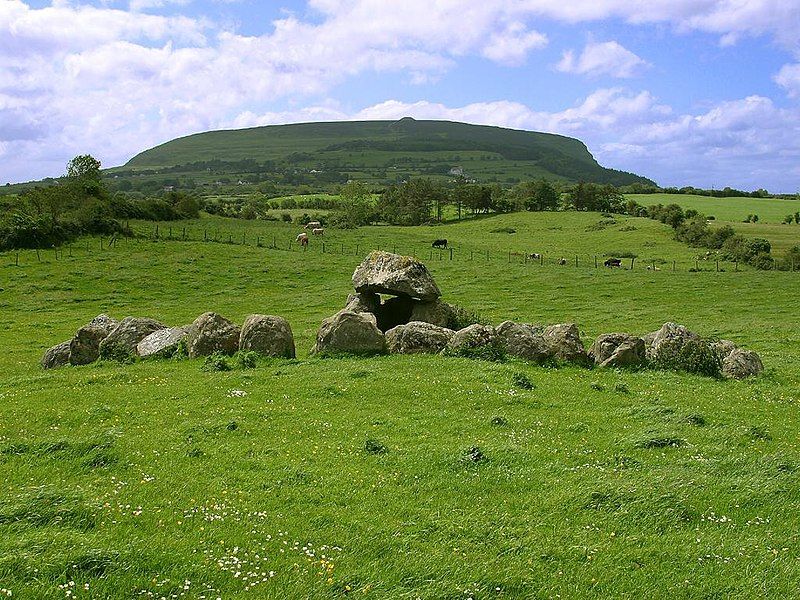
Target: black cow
x=439, y=244
x=613, y=262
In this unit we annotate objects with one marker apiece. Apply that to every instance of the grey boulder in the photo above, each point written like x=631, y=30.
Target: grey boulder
x=471, y=337
x=740, y=364
x=418, y=337
x=523, y=341
x=618, y=350
x=85, y=345
x=350, y=333
x=57, y=356
x=267, y=335
x=210, y=333
x=162, y=343
x=122, y=341
x=565, y=343
x=363, y=302
x=387, y=273
x=435, y=312
x=672, y=336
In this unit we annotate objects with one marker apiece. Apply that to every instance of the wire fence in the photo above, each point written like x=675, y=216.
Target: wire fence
x=319, y=245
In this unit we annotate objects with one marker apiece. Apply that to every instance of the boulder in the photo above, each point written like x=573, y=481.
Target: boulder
x=57, y=356
x=418, y=337
x=162, y=343
x=363, y=302
x=565, y=343
x=523, y=340
x=210, y=333
x=387, y=273
x=741, y=363
x=350, y=333
x=671, y=334
x=723, y=348
x=267, y=335
x=122, y=341
x=435, y=312
x=85, y=345
x=471, y=337
x=618, y=350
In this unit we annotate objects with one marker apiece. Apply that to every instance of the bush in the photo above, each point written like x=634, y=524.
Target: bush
x=286, y=217
x=490, y=352
x=461, y=317
x=692, y=356
x=216, y=362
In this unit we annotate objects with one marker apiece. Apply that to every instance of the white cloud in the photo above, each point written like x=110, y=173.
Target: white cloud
x=789, y=79
x=602, y=58
x=512, y=45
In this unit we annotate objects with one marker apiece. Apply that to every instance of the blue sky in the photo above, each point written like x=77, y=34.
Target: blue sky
x=686, y=92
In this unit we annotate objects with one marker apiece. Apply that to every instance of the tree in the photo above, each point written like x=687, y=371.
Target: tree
x=84, y=166
x=536, y=195
x=356, y=207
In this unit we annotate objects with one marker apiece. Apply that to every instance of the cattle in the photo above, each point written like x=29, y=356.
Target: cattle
x=302, y=239
x=562, y=261
x=653, y=268
x=534, y=256
x=439, y=244
x=318, y=231
x=613, y=262
x=312, y=225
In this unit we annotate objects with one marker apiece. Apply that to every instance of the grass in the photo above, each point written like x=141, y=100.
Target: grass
x=769, y=210
x=328, y=478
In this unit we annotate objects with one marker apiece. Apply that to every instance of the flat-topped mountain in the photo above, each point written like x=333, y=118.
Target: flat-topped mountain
x=388, y=151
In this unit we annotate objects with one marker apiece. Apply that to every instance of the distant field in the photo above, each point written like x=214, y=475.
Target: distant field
x=158, y=479
x=769, y=210
x=556, y=235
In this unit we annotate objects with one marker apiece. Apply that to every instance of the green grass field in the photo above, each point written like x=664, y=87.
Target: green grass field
x=161, y=480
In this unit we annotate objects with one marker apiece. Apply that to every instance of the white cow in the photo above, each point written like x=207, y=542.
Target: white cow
x=318, y=231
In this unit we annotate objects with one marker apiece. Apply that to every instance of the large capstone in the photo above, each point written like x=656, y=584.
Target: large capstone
x=618, y=350
x=57, y=356
x=350, y=333
x=523, y=341
x=418, y=337
x=122, y=341
x=740, y=364
x=387, y=273
x=210, y=333
x=85, y=345
x=267, y=335
x=162, y=343
x=565, y=343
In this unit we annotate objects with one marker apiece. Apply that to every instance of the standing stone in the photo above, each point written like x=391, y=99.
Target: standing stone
x=618, y=350
x=210, y=333
x=85, y=345
x=387, y=273
x=418, y=337
x=267, y=335
x=565, y=343
x=435, y=312
x=57, y=356
x=471, y=337
x=740, y=364
x=363, y=302
x=523, y=341
x=162, y=343
x=350, y=333
x=122, y=341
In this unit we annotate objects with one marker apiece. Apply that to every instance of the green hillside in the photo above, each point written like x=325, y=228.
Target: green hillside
x=384, y=151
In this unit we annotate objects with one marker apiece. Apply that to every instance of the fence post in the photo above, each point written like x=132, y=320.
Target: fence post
x=356, y=249
x=451, y=254
x=595, y=261
x=509, y=256
x=323, y=247
x=633, y=260
x=717, y=265
x=244, y=239
x=184, y=234
x=156, y=230
x=576, y=260
x=17, y=262
x=39, y=258
x=673, y=266
x=696, y=266
x=205, y=235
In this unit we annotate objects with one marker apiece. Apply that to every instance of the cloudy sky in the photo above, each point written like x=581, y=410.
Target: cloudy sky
x=686, y=92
